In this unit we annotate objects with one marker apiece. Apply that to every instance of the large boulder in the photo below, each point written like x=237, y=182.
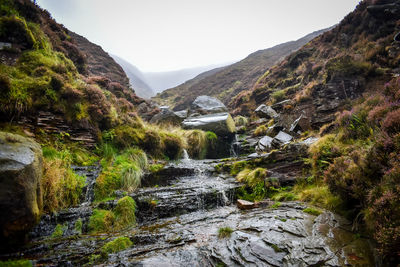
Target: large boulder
x=221, y=124
x=20, y=188
x=166, y=116
x=207, y=105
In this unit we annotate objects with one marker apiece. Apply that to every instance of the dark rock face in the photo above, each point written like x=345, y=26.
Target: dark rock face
x=20, y=189
x=166, y=116
x=386, y=11
x=328, y=98
x=207, y=105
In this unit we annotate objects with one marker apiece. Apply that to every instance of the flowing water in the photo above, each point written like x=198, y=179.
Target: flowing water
x=180, y=211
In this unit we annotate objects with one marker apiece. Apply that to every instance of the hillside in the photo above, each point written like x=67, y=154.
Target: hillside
x=229, y=81
x=99, y=62
x=136, y=78
x=343, y=87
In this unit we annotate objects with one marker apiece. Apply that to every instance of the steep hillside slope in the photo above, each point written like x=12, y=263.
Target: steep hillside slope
x=52, y=81
x=335, y=67
x=99, y=62
x=227, y=82
x=136, y=78
x=345, y=85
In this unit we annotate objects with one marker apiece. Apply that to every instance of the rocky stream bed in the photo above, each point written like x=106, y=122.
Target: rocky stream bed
x=179, y=212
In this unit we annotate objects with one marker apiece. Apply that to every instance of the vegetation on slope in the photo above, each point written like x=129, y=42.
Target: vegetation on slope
x=45, y=71
x=225, y=83
x=352, y=69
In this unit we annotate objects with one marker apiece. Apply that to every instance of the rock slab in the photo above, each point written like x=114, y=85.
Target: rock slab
x=20, y=188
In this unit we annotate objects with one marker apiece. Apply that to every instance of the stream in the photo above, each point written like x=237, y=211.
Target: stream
x=179, y=212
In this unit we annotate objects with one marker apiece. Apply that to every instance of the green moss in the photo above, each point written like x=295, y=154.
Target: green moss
x=101, y=221
x=278, y=96
x=121, y=171
x=276, y=205
x=117, y=245
x=59, y=231
x=197, y=143
x=252, y=177
x=238, y=166
x=261, y=130
x=125, y=213
x=153, y=168
x=224, y=232
x=276, y=248
x=16, y=263
x=241, y=121
x=312, y=211
x=172, y=145
x=126, y=136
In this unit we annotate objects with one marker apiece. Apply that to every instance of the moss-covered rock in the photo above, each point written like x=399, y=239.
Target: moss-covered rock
x=20, y=188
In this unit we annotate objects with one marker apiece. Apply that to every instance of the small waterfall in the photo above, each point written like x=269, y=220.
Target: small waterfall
x=234, y=149
x=91, y=173
x=185, y=155
x=224, y=199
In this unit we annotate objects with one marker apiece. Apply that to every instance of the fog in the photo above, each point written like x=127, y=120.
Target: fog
x=161, y=35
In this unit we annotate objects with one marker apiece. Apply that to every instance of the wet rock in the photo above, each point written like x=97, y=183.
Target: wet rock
x=221, y=124
x=207, y=105
x=20, y=189
x=183, y=114
x=245, y=205
x=281, y=139
x=265, y=143
x=265, y=111
x=166, y=116
x=301, y=124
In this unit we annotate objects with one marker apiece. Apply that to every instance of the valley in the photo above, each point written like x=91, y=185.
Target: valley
x=289, y=157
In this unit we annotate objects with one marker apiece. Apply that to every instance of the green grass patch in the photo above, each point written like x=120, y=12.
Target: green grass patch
x=101, y=221
x=125, y=213
x=312, y=211
x=117, y=245
x=225, y=232
x=16, y=263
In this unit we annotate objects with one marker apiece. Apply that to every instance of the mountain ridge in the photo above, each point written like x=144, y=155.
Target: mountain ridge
x=231, y=80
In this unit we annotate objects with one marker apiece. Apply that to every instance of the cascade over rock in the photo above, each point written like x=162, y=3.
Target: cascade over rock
x=20, y=189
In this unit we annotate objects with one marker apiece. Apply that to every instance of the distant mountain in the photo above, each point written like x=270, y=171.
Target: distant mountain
x=225, y=83
x=136, y=78
x=161, y=81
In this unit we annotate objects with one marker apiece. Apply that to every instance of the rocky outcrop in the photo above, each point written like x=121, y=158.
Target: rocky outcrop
x=265, y=111
x=207, y=105
x=166, y=116
x=20, y=189
x=221, y=124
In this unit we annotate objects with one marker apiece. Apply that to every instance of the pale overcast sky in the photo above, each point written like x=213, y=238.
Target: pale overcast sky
x=161, y=35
